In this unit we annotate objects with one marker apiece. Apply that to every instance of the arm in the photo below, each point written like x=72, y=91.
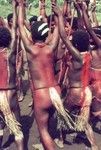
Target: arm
x=74, y=52
x=24, y=36
x=93, y=13
x=79, y=14
x=69, y=11
x=42, y=10
x=89, y=28
x=67, y=8
x=55, y=37
x=64, y=9
x=13, y=45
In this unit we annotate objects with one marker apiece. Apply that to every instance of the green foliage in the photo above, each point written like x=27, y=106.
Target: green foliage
x=5, y=10
x=98, y=6
x=5, y=7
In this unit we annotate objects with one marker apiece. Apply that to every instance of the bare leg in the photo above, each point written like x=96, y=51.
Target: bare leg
x=88, y=129
x=20, y=89
x=59, y=141
x=2, y=125
x=16, y=111
x=1, y=137
x=90, y=136
x=19, y=144
x=42, y=117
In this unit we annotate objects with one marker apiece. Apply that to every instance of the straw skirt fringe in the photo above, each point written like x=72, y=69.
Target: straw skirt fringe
x=9, y=118
x=57, y=103
x=83, y=118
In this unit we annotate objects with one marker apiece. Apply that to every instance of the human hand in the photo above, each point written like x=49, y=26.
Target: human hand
x=14, y=3
x=76, y=5
x=56, y=9
x=21, y=1
x=80, y=4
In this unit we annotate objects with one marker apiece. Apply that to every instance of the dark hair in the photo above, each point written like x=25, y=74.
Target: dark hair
x=9, y=17
x=37, y=34
x=5, y=37
x=67, y=20
x=80, y=40
x=33, y=18
x=75, y=23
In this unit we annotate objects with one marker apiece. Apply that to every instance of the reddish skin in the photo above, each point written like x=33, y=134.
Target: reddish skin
x=10, y=88
x=95, y=63
x=75, y=81
x=42, y=10
x=40, y=60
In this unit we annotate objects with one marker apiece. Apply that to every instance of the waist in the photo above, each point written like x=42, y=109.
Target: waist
x=75, y=85
x=8, y=88
x=95, y=69
x=46, y=87
x=95, y=74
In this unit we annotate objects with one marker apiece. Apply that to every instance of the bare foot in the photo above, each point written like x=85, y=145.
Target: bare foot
x=21, y=97
x=94, y=147
x=59, y=143
x=30, y=104
x=38, y=146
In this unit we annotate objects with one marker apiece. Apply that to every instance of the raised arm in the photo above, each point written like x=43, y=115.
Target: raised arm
x=13, y=45
x=42, y=10
x=74, y=52
x=55, y=37
x=89, y=27
x=64, y=9
x=79, y=14
x=24, y=36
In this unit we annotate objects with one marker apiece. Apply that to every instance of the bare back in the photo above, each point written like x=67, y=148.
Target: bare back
x=41, y=66
x=96, y=59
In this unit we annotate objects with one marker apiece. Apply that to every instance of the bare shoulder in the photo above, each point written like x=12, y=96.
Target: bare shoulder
x=96, y=53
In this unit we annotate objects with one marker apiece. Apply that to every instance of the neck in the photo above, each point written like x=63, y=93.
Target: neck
x=84, y=52
x=40, y=42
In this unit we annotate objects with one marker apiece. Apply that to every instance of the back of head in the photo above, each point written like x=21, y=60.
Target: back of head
x=39, y=31
x=80, y=40
x=5, y=37
x=33, y=19
x=75, y=23
x=9, y=17
x=10, y=20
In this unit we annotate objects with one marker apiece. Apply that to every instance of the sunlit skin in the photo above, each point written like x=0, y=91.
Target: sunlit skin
x=9, y=86
x=74, y=76
x=95, y=65
x=40, y=59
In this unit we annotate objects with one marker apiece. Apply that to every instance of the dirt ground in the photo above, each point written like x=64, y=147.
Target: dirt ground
x=31, y=133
